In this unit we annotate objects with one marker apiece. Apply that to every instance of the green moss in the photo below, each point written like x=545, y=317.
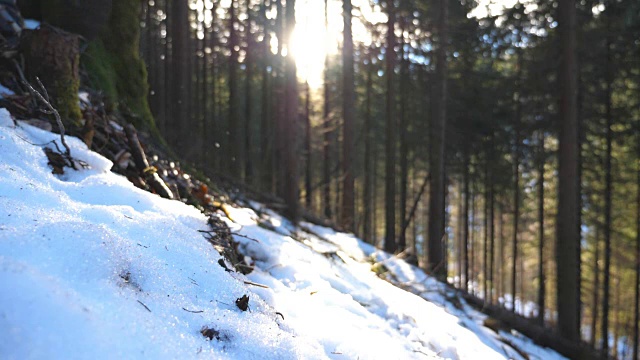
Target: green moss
x=379, y=268
x=115, y=67
x=97, y=63
x=66, y=100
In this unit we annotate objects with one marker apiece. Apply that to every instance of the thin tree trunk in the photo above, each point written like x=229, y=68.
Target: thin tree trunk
x=159, y=83
x=407, y=221
x=205, y=146
x=459, y=233
x=485, y=252
x=404, y=148
x=390, y=245
x=368, y=166
x=436, y=263
x=280, y=99
x=327, y=127
x=234, y=149
x=567, y=225
x=248, y=106
x=501, y=249
x=636, y=302
x=616, y=318
x=492, y=234
x=266, y=140
x=541, y=274
x=516, y=182
x=607, y=206
x=374, y=185
x=348, y=112
x=210, y=97
x=472, y=241
x=168, y=75
x=180, y=71
x=465, y=246
x=216, y=127
x=307, y=147
x=596, y=288
x=290, y=170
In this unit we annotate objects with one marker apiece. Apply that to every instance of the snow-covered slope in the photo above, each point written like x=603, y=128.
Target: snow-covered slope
x=92, y=267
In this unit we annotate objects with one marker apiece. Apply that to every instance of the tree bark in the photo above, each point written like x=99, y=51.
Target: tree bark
x=596, y=288
x=459, y=233
x=404, y=146
x=235, y=148
x=492, y=234
x=180, y=72
x=308, y=196
x=326, y=165
x=636, y=292
x=290, y=169
x=607, y=203
x=485, y=250
x=465, y=246
x=266, y=140
x=348, y=112
x=248, y=106
x=53, y=57
x=390, y=245
x=368, y=164
x=472, y=243
x=436, y=256
x=501, y=249
x=567, y=225
x=516, y=181
x=204, y=108
x=541, y=272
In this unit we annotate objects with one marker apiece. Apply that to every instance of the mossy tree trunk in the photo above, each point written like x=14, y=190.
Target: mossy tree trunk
x=53, y=57
x=115, y=67
x=111, y=59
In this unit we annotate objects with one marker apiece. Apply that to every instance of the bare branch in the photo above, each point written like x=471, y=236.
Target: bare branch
x=50, y=109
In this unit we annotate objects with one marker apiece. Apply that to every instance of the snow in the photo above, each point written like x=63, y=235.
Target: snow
x=31, y=24
x=4, y=91
x=92, y=267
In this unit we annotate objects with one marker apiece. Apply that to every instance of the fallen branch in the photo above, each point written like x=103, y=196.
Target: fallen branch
x=540, y=335
x=515, y=347
x=149, y=173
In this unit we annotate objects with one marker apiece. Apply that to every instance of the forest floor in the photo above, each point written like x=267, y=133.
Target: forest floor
x=93, y=267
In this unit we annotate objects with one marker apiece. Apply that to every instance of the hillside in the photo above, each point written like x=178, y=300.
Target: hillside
x=91, y=266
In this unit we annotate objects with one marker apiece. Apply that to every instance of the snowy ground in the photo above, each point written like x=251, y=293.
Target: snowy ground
x=91, y=267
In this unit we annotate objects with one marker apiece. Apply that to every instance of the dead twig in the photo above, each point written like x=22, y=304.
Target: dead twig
x=210, y=232
x=193, y=311
x=44, y=99
x=255, y=284
x=145, y=306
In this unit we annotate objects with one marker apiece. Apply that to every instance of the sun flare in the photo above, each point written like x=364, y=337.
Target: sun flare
x=312, y=40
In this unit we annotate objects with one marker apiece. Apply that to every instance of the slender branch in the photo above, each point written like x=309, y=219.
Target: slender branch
x=405, y=223
x=50, y=109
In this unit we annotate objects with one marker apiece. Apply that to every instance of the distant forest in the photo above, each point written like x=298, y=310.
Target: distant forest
x=500, y=151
